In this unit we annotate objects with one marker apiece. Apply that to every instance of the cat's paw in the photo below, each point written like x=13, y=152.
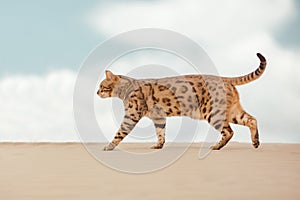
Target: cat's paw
x=109, y=147
x=255, y=144
x=157, y=146
x=215, y=147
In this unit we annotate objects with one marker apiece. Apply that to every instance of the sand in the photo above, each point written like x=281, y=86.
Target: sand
x=68, y=171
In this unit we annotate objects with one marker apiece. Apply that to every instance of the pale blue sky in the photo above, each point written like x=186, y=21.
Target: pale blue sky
x=288, y=34
x=37, y=36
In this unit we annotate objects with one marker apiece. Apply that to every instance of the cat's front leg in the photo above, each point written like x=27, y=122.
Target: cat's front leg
x=109, y=147
x=127, y=125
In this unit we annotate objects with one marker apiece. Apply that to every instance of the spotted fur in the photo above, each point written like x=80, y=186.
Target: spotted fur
x=205, y=97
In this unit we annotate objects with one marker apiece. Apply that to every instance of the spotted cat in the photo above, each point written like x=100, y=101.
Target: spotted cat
x=205, y=97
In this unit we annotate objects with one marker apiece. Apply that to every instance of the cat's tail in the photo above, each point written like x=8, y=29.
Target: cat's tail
x=249, y=77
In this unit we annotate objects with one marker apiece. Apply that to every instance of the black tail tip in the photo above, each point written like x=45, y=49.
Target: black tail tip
x=261, y=57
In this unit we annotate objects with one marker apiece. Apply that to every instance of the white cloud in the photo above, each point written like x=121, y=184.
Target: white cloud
x=37, y=108
x=210, y=21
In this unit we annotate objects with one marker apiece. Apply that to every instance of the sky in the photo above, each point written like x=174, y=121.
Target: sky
x=44, y=43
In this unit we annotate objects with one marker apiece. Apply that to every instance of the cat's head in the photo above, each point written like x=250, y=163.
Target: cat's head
x=108, y=85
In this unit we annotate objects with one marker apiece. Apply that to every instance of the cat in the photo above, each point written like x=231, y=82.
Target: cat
x=204, y=97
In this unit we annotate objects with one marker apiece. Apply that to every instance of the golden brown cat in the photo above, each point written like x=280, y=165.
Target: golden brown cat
x=205, y=97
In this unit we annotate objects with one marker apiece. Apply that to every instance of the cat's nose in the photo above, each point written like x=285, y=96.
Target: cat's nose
x=98, y=92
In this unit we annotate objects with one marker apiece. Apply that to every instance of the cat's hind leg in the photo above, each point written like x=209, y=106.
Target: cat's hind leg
x=160, y=128
x=243, y=118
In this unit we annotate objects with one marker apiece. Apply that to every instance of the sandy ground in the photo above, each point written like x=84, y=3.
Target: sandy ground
x=68, y=171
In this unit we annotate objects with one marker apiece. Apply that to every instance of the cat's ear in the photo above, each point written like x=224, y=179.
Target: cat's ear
x=111, y=76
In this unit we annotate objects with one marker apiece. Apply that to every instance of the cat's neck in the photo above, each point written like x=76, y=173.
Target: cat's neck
x=125, y=86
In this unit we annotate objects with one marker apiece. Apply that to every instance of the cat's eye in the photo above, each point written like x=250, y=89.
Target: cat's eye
x=105, y=89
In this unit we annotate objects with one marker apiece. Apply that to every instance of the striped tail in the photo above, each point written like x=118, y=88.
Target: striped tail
x=249, y=77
